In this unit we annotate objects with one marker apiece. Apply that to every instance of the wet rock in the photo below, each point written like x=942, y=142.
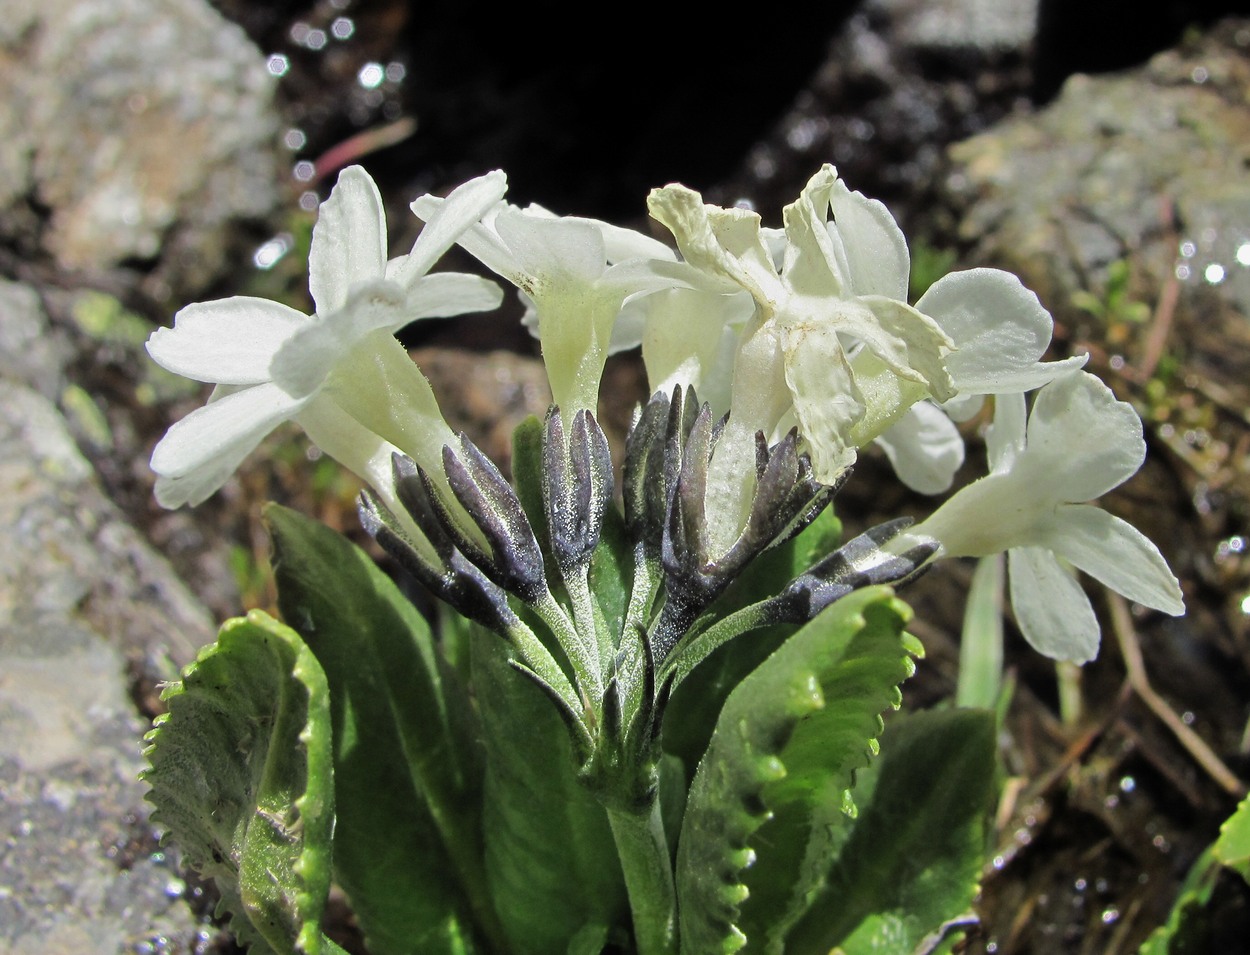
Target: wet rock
x=80, y=870
x=901, y=81
x=133, y=135
x=90, y=616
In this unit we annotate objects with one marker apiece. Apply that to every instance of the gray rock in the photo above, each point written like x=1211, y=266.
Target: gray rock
x=79, y=868
x=1146, y=167
x=143, y=129
x=984, y=25
x=30, y=352
x=902, y=80
x=82, y=602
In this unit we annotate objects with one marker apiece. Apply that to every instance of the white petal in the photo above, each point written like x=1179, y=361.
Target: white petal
x=998, y=326
x=724, y=242
x=449, y=293
x=201, y=484
x=635, y=277
x=826, y=399
x=963, y=408
x=1081, y=435
x=463, y=208
x=348, y=241
x=1034, y=376
x=620, y=244
x=684, y=338
x=552, y=251
x=909, y=342
x=815, y=258
x=1115, y=553
x=227, y=428
x=230, y=341
x=925, y=449
x=306, y=359
x=627, y=330
x=480, y=241
x=1051, y=608
x=877, y=259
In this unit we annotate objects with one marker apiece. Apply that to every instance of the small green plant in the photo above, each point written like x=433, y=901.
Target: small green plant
x=1116, y=305
x=651, y=718
x=1190, y=927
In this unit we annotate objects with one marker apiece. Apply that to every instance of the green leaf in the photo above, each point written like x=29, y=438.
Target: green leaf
x=793, y=731
x=981, y=643
x=911, y=861
x=1232, y=848
x=550, y=855
x=407, y=848
x=1188, y=928
x=242, y=776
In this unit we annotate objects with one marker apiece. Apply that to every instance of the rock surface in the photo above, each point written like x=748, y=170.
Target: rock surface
x=156, y=136
x=82, y=602
x=134, y=141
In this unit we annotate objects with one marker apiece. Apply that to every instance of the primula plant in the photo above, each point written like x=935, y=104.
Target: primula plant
x=648, y=714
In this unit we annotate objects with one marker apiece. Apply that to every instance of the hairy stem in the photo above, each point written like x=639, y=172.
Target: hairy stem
x=643, y=851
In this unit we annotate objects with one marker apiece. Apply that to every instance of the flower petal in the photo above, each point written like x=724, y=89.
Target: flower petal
x=877, y=259
x=1051, y=609
x=690, y=338
x=348, y=241
x=619, y=243
x=963, y=408
x=908, y=341
x=226, y=429
x=463, y=208
x=552, y=252
x=1081, y=435
x=827, y=401
x=924, y=448
x=230, y=341
x=1036, y=375
x=1115, y=553
x=480, y=241
x=727, y=243
x=814, y=261
x=448, y=293
x=306, y=359
x=198, y=486
x=998, y=326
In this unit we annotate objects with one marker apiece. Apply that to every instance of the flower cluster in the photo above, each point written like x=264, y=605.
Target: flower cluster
x=774, y=356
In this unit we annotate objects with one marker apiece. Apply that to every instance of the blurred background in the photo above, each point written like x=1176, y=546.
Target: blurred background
x=153, y=154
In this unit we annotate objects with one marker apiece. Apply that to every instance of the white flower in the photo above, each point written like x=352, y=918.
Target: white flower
x=833, y=285
x=339, y=373
x=853, y=357
x=576, y=274
x=1079, y=443
x=1000, y=332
